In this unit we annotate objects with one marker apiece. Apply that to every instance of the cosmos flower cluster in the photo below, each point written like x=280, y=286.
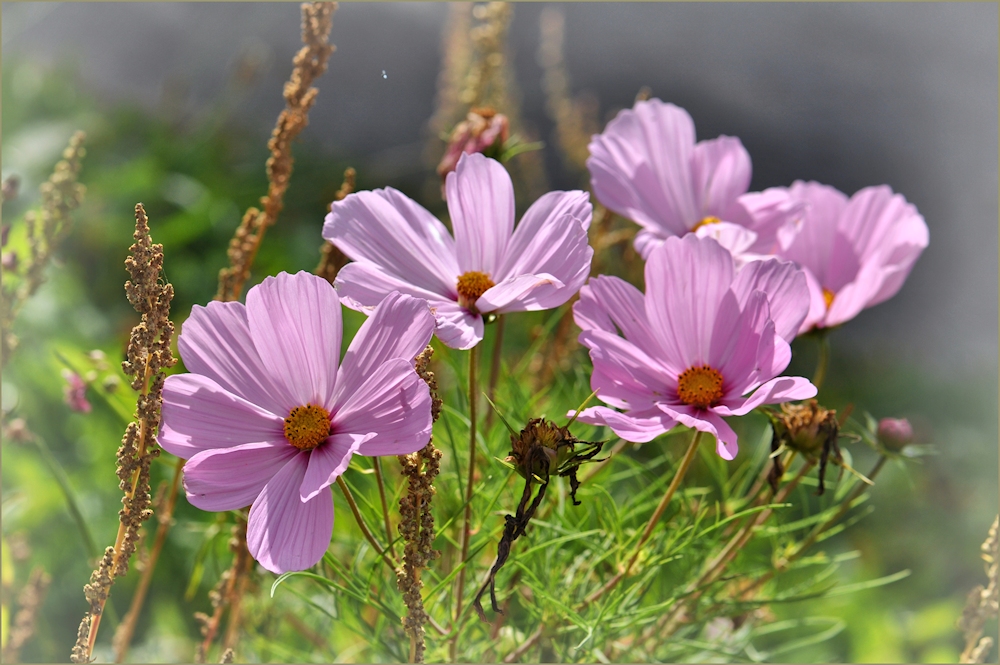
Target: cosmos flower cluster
x=270, y=415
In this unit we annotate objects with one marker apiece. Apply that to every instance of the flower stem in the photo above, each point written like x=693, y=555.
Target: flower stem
x=671, y=621
x=823, y=360
x=818, y=529
x=385, y=506
x=664, y=502
x=361, y=522
x=460, y=584
x=495, y=367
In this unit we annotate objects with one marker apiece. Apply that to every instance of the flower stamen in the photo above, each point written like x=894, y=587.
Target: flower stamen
x=828, y=297
x=471, y=285
x=700, y=386
x=307, y=426
x=705, y=221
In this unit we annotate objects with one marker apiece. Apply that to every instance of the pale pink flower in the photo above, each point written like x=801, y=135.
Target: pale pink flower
x=266, y=418
x=704, y=342
x=647, y=167
x=488, y=267
x=855, y=252
x=483, y=130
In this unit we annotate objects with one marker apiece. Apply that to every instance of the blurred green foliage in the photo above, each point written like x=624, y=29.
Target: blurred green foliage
x=195, y=176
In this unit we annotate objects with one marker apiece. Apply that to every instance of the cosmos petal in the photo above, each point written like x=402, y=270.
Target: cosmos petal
x=231, y=478
x=283, y=532
x=296, y=326
x=198, y=414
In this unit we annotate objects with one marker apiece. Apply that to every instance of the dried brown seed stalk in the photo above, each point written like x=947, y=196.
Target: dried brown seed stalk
x=416, y=524
x=46, y=228
x=983, y=603
x=575, y=119
x=309, y=63
x=28, y=602
x=147, y=357
x=332, y=259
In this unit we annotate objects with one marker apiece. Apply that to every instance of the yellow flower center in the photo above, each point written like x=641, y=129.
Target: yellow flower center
x=307, y=426
x=700, y=386
x=705, y=222
x=471, y=285
x=828, y=297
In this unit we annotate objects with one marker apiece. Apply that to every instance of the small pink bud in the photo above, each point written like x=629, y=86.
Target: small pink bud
x=483, y=130
x=895, y=433
x=75, y=392
x=9, y=261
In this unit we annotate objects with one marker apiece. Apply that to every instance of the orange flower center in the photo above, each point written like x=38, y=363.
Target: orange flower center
x=828, y=297
x=700, y=386
x=705, y=222
x=471, y=285
x=307, y=426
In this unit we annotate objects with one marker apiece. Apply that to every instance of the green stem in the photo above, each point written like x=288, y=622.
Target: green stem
x=664, y=502
x=385, y=505
x=63, y=481
x=495, y=367
x=361, y=522
x=823, y=360
x=466, y=528
x=819, y=528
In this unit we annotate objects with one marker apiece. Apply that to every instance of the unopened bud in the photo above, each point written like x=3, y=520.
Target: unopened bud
x=483, y=130
x=75, y=392
x=895, y=433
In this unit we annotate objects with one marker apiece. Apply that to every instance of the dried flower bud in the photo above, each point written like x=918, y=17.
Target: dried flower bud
x=811, y=430
x=895, y=433
x=75, y=392
x=483, y=130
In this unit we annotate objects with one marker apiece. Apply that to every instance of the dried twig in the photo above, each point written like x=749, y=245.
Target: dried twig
x=309, y=63
x=147, y=358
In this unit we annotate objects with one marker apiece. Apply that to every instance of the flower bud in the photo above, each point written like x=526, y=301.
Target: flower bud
x=483, y=130
x=895, y=433
x=75, y=392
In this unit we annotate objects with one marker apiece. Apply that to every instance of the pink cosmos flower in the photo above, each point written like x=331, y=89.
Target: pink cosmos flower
x=266, y=418
x=488, y=267
x=691, y=349
x=647, y=167
x=856, y=253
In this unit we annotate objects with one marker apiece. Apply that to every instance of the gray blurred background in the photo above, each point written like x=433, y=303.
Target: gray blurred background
x=850, y=95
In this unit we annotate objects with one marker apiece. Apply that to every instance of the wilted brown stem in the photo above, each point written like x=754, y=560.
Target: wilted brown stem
x=309, y=63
